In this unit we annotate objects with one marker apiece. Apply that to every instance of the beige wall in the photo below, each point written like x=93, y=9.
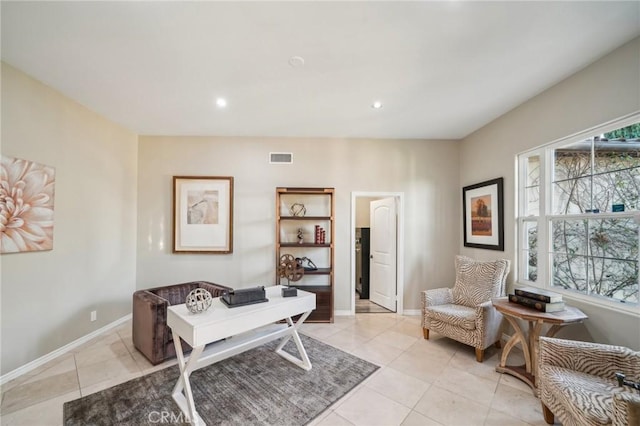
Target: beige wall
x=426, y=171
x=47, y=296
x=606, y=90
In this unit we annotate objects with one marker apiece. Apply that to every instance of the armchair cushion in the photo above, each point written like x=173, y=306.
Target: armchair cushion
x=458, y=315
x=477, y=282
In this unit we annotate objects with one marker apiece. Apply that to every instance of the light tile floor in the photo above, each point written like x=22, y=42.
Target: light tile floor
x=434, y=382
x=366, y=306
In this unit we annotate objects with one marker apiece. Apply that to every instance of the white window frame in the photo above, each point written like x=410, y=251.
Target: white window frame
x=545, y=216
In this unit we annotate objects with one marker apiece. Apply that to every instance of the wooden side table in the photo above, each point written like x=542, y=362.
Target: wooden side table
x=529, y=342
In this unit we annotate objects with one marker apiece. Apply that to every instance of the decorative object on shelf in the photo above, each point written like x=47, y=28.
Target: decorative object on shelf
x=298, y=210
x=245, y=296
x=198, y=301
x=483, y=215
x=289, y=292
x=203, y=214
x=26, y=205
x=300, y=236
x=290, y=268
x=306, y=263
x=320, y=235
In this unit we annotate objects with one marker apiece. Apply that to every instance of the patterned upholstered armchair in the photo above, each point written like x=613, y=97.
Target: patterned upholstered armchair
x=577, y=383
x=465, y=313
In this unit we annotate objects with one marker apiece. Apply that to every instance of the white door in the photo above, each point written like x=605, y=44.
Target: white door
x=382, y=265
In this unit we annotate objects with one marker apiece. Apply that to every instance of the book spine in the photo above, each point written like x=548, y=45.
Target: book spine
x=531, y=303
x=536, y=296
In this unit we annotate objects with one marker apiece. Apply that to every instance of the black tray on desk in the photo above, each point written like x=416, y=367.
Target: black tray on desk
x=244, y=297
x=252, y=302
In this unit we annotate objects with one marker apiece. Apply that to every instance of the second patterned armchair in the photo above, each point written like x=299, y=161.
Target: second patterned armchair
x=577, y=383
x=464, y=312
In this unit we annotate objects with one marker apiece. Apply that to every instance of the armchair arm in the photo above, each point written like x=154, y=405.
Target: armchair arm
x=626, y=408
x=149, y=319
x=434, y=297
x=489, y=322
x=437, y=296
x=591, y=358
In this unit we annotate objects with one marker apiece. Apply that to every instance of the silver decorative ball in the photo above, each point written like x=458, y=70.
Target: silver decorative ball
x=198, y=301
x=297, y=209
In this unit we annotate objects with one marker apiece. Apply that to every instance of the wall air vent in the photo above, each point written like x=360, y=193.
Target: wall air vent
x=281, y=158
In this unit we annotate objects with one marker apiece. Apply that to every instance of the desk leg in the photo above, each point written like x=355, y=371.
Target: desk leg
x=305, y=362
x=185, y=399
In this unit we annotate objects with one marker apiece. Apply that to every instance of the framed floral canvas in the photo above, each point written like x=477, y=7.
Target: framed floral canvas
x=26, y=205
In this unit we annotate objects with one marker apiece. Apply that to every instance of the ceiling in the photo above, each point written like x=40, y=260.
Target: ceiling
x=441, y=69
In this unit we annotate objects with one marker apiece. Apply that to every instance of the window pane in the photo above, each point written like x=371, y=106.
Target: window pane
x=570, y=237
x=572, y=161
x=533, y=201
x=618, y=187
x=597, y=257
x=531, y=251
x=615, y=279
x=614, y=238
x=570, y=272
x=615, y=154
x=572, y=196
x=533, y=171
x=532, y=186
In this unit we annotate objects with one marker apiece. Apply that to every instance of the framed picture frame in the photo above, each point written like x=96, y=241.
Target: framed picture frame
x=203, y=214
x=483, y=215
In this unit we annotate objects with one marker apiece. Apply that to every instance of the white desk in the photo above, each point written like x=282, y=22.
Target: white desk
x=243, y=328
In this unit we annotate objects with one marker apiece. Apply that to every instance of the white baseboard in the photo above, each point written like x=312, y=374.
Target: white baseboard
x=411, y=312
x=60, y=351
x=343, y=313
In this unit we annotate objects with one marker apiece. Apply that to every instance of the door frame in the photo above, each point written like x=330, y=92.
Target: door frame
x=399, y=197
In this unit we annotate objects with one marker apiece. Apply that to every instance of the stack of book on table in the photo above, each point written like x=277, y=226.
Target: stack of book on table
x=536, y=298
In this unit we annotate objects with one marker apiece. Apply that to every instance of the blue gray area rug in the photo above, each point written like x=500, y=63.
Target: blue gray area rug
x=257, y=387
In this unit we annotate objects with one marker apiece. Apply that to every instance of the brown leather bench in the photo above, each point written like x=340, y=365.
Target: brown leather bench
x=151, y=336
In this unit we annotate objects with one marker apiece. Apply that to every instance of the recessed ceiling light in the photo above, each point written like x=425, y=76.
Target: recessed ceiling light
x=296, y=61
x=221, y=102
x=376, y=105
